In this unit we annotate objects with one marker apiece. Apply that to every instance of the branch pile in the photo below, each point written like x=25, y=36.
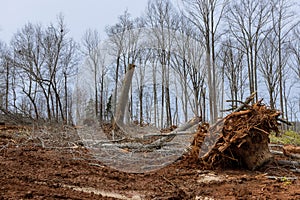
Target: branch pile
x=240, y=139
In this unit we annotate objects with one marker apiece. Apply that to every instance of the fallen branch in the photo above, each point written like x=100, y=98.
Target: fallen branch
x=4, y=146
x=170, y=182
x=238, y=101
x=295, y=156
x=280, y=153
x=138, y=147
x=276, y=145
x=295, y=170
x=282, y=178
x=173, y=133
x=96, y=142
x=96, y=165
x=247, y=101
x=290, y=163
x=284, y=121
x=42, y=141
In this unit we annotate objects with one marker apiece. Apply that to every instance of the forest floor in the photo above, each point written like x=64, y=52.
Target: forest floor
x=30, y=169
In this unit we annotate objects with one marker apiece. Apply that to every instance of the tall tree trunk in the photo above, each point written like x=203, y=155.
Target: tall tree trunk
x=168, y=100
x=141, y=104
x=116, y=83
x=162, y=97
x=154, y=94
x=185, y=102
x=210, y=86
x=7, y=86
x=96, y=92
x=101, y=97
x=281, y=95
x=66, y=98
x=203, y=96
x=214, y=70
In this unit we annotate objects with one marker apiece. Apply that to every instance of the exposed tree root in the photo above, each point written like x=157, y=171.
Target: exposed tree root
x=240, y=139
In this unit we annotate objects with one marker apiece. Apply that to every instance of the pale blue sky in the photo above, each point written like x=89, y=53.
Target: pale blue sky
x=79, y=14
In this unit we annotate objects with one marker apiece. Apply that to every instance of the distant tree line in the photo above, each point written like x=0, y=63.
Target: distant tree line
x=190, y=58
x=37, y=70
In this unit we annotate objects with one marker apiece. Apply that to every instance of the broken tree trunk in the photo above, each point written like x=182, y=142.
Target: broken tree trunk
x=118, y=126
x=123, y=99
x=240, y=139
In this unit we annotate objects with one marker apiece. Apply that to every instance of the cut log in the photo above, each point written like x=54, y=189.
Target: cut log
x=282, y=178
x=289, y=149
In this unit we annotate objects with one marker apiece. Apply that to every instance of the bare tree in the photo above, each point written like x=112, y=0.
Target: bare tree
x=124, y=97
x=197, y=72
x=45, y=60
x=5, y=76
x=92, y=51
x=188, y=63
x=282, y=25
x=232, y=59
x=294, y=48
x=141, y=80
x=69, y=62
x=206, y=16
x=28, y=58
x=124, y=44
x=248, y=22
x=183, y=43
x=117, y=36
x=269, y=68
x=161, y=18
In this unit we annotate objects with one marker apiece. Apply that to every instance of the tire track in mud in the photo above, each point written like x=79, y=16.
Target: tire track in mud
x=95, y=191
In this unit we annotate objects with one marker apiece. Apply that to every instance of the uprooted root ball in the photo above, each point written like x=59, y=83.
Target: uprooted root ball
x=239, y=139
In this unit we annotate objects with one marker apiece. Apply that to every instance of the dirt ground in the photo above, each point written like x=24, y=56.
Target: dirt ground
x=29, y=169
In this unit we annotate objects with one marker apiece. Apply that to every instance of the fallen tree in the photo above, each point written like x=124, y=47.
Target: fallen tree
x=124, y=134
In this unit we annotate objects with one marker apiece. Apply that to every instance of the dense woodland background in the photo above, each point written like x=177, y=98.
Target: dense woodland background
x=189, y=60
